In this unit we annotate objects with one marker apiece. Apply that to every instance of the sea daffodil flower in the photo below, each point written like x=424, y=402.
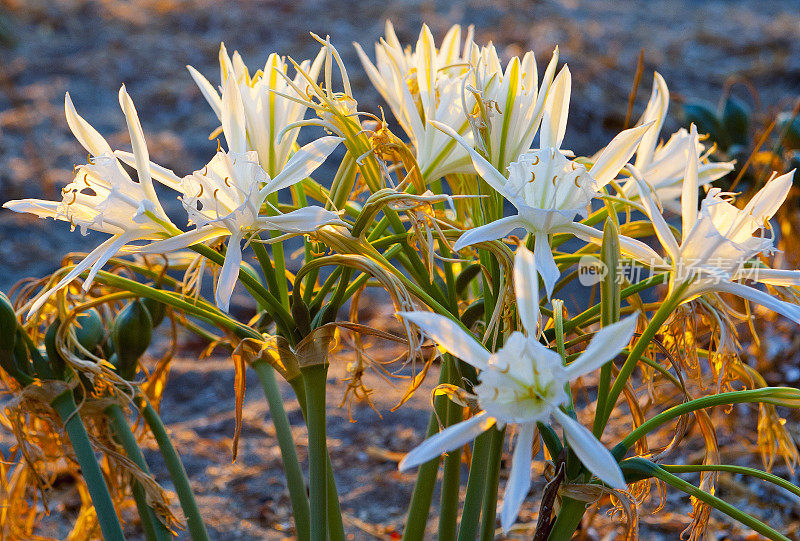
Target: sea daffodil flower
x=226, y=196
x=719, y=239
x=423, y=86
x=547, y=189
x=663, y=165
x=267, y=110
x=521, y=384
x=104, y=198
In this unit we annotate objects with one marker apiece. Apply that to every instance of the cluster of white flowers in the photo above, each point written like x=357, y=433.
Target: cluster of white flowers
x=464, y=114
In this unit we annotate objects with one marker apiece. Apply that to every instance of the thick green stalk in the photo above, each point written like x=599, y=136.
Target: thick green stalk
x=335, y=524
x=568, y=520
x=420, y=506
x=194, y=520
x=451, y=476
x=291, y=465
x=315, y=381
x=153, y=528
x=67, y=410
x=473, y=499
x=489, y=520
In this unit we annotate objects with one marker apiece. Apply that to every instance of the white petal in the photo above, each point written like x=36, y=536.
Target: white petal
x=450, y=336
x=91, y=259
x=491, y=231
x=519, y=478
x=768, y=200
x=184, y=240
x=526, y=286
x=208, y=91
x=556, y=109
x=656, y=110
x=304, y=162
x=775, y=277
x=545, y=262
x=302, y=220
x=163, y=175
x=634, y=248
x=604, y=346
x=86, y=135
x=663, y=232
x=616, y=155
x=233, y=120
x=590, y=451
x=691, y=185
x=448, y=439
x=40, y=207
x=788, y=310
x=141, y=156
x=229, y=274
x=486, y=170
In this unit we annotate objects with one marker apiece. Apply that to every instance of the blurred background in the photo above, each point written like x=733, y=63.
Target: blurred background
x=705, y=51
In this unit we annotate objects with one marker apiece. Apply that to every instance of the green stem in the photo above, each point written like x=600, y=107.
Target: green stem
x=194, y=520
x=67, y=410
x=153, y=528
x=568, y=520
x=451, y=476
x=473, y=499
x=315, y=381
x=291, y=465
x=489, y=521
x=718, y=504
x=742, y=470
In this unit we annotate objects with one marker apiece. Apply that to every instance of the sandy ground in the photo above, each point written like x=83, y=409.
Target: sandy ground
x=90, y=47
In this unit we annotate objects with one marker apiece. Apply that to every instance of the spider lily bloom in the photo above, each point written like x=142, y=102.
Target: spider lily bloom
x=102, y=196
x=521, y=384
x=663, y=165
x=226, y=196
x=266, y=110
x=506, y=120
x=423, y=86
x=719, y=239
x=547, y=189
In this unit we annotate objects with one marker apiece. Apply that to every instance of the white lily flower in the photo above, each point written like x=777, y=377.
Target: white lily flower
x=423, y=86
x=521, y=384
x=104, y=198
x=513, y=102
x=717, y=240
x=547, y=189
x=226, y=196
x=266, y=112
x=663, y=165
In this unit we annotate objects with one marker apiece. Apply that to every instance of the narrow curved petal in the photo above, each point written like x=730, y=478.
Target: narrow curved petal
x=40, y=207
x=485, y=170
x=526, y=286
x=163, y=175
x=301, y=220
x=663, y=232
x=556, y=109
x=448, y=439
x=590, y=451
x=91, y=259
x=775, y=277
x=491, y=231
x=604, y=346
x=233, y=120
x=229, y=274
x=207, y=89
x=86, y=135
x=450, y=336
x=691, y=184
x=109, y=251
x=545, y=262
x=519, y=478
x=634, y=248
x=304, y=162
x=184, y=240
x=655, y=112
x=608, y=165
x=140, y=153
x=788, y=310
x=768, y=200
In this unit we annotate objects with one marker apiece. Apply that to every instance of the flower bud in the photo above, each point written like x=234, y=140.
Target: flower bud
x=131, y=333
x=8, y=327
x=158, y=310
